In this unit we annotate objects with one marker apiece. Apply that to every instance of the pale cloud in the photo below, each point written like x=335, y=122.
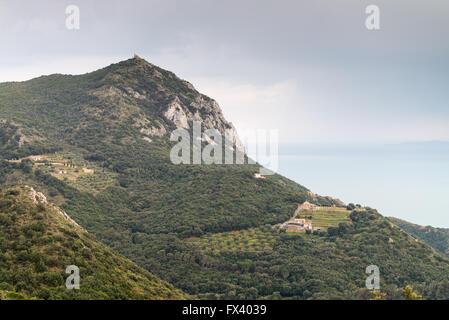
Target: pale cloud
x=301, y=113
x=256, y=106
x=68, y=65
x=304, y=118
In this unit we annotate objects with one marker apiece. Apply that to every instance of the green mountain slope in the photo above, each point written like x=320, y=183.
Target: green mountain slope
x=38, y=242
x=102, y=141
x=437, y=238
x=105, y=116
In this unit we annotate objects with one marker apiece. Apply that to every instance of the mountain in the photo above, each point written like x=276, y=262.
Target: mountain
x=106, y=120
x=39, y=241
x=97, y=145
x=437, y=238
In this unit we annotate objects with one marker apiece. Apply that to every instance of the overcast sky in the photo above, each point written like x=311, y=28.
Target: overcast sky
x=308, y=68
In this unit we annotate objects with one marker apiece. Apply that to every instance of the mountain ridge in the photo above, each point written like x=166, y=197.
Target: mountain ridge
x=39, y=241
x=437, y=238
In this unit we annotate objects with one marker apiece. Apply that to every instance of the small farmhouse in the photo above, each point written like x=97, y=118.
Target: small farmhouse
x=307, y=206
x=297, y=225
x=35, y=158
x=294, y=228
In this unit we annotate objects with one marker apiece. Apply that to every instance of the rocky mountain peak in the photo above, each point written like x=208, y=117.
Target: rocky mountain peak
x=176, y=101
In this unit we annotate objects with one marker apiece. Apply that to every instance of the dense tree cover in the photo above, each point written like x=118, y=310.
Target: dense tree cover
x=13, y=143
x=12, y=295
x=438, y=238
x=298, y=266
x=37, y=244
x=152, y=209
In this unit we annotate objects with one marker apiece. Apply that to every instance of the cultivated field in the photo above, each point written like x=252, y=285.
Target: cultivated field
x=264, y=239
x=73, y=169
x=252, y=240
x=325, y=217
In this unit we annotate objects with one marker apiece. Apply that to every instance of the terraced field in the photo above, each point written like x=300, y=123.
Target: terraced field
x=326, y=217
x=263, y=239
x=252, y=240
x=74, y=170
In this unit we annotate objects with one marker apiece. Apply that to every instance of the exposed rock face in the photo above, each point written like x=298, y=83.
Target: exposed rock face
x=39, y=197
x=153, y=131
x=36, y=197
x=208, y=112
x=16, y=133
x=176, y=114
x=22, y=140
x=172, y=100
x=135, y=94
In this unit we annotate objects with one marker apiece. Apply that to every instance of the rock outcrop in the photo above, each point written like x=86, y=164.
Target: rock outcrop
x=39, y=197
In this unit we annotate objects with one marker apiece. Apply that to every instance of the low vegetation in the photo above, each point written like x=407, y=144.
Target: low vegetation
x=437, y=238
x=37, y=243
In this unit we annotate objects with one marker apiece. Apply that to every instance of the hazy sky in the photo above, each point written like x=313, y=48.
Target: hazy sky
x=308, y=68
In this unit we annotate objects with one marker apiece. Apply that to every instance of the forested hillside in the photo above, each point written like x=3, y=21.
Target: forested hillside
x=437, y=238
x=38, y=242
